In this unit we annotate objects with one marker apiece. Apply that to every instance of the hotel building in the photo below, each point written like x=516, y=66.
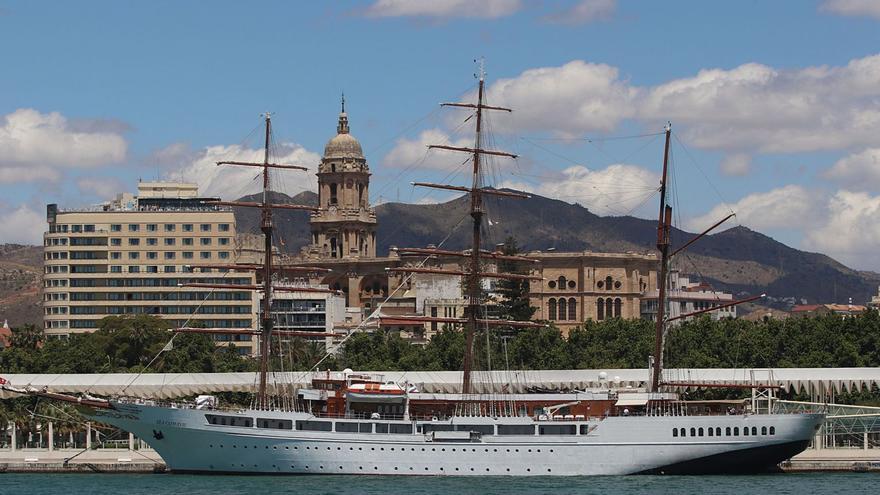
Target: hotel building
x=129, y=256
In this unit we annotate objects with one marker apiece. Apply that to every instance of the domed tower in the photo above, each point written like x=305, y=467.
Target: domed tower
x=345, y=224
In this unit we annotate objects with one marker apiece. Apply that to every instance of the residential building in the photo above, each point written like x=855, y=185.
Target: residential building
x=685, y=297
x=811, y=310
x=131, y=255
x=875, y=300
x=307, y=312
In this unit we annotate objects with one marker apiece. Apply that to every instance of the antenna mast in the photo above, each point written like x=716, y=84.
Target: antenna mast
x=663, y=225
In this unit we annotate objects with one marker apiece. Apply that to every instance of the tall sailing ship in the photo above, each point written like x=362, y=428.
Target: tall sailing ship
x=355, y=423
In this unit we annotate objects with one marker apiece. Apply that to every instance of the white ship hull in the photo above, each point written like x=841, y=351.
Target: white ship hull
x=273, y=443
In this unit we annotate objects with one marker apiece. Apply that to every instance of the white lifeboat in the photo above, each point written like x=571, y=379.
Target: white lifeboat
x=376, y=392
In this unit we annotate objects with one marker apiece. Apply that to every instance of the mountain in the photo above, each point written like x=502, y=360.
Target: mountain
x=21, y=268
x=738, y=259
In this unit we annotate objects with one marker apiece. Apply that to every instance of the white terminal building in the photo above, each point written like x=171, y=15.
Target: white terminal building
x=130, y=255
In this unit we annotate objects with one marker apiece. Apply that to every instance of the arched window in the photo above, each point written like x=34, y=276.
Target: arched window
x=563, y=314
x=763, y=430
x=617, y=305
x=736, y=431
x=608, y=282
x=609, y=308
x=561, y=282
x=333, y=247
x=693, y=432
x=600, y=309
x=333, y=198
x=718, y=431
x=551, y=309
x=727, y=431
x=711, y=432
x=701, y=431
x=683, y=432
x=745, y=431
x=772, y=430
x=572, y=308
x=755, y=430
x=674, y=432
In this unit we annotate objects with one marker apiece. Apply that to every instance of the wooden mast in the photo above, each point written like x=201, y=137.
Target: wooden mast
x=266, y=227
x=473, y=279
x=267, y=268
x=473, y=274
x=663, y=224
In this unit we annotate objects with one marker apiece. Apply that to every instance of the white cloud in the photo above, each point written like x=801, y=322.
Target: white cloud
x=870, y=8
x=30, y=173
x=858, y=170
x=584, y=11
x=756, y=106
x=103, y=188
x=38, y=146
x=851, y=232
x=788, y=207
x=753, y=107
x=618, y=189
x=484, y=9
x=736, y=165
x=230, y=182
x=574, y=98
x=22, y=225
x=415, y=153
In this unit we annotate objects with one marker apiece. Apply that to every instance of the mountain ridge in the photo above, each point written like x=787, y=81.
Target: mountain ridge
x=737, y=259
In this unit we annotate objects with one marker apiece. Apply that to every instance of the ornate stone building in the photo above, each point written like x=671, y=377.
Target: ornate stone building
x=591, y=286
x=576, y=286
x=345, y=225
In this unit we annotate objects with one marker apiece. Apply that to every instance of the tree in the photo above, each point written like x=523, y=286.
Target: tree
x=515, y=305
x=27, y=337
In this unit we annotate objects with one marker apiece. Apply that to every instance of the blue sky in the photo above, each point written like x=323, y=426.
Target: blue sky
x=775, y=104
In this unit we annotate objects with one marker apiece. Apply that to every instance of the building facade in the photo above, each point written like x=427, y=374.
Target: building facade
x=582, y=286
x=344, y=227
x=685, y=297
x=130, y=256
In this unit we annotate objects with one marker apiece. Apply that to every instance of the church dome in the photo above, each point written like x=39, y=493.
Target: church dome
x=343, y=145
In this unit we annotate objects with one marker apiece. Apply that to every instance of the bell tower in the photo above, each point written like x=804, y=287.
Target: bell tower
x=344, y=227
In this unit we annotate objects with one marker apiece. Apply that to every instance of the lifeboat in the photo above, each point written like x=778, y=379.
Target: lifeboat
x=376, y=392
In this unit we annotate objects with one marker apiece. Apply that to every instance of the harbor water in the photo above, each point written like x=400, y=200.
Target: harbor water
x=116, y=484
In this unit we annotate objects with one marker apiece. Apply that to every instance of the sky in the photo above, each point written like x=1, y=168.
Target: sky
x=774, y=105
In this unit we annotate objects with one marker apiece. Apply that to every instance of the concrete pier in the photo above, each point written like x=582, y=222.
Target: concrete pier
x=91, y=461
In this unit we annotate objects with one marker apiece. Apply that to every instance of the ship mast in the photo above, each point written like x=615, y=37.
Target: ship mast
x=663, y=224
x=267, y=268
x=473, y=275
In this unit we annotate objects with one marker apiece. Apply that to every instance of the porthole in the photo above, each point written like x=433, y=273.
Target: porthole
x=551, y=284
x=617, y=284
x=395, y=468
x=572, y=284
x=600, y=284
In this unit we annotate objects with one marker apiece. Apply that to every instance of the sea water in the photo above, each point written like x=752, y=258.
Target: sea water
x=159, y=484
